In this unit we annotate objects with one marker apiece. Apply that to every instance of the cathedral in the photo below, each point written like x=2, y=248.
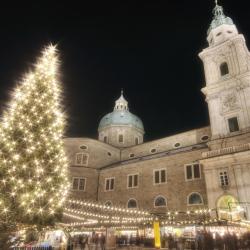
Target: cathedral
x=207, y=167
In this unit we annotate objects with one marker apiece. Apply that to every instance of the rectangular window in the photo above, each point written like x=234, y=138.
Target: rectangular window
x=81, y=159
x=224, y=178
x=75, y=183
x=78, y=159
x=136, y=180
x=133, y=181
x=157, y=177
x=78, y=183
x=130, y=181
x=193, y=171
x=233, y=124
x=81, y=184
x=189, y=174
x=163, y=176
x=109, y=184
x=197, y=174
x=160, y=176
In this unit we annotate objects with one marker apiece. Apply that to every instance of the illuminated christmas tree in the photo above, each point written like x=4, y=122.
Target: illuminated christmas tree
x=33, y=165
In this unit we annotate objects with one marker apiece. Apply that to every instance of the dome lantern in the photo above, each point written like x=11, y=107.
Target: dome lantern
x=121, y=103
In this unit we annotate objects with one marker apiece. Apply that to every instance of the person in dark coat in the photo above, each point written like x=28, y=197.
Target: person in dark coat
x=199, y=240
x=219, y=242
x=82, y=242
x=171, y=243
x=208, y=241
x=102, y=241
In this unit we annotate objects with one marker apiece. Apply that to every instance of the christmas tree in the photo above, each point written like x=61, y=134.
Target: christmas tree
x=33, y=165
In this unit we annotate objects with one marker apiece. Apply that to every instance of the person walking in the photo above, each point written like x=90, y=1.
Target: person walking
x=102, y=241
x=171, y=243
x=82, y=242
x=219, y=242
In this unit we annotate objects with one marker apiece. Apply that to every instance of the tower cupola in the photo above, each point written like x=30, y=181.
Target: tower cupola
x=221, y=27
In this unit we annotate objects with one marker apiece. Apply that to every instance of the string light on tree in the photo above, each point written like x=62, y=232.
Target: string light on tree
x=33, y=165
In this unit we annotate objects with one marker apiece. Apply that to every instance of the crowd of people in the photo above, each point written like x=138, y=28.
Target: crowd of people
x=208, y=241
x=87, y=242
x=203, y=241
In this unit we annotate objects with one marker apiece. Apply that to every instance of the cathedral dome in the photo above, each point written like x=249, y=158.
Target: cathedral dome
x=121, y=117
x=121, y=128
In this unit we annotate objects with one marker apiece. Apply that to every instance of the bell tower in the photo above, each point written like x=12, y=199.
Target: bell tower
x=227, y=73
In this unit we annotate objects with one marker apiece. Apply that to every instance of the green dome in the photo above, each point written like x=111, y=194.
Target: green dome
x=121, y=117
x=219, y=18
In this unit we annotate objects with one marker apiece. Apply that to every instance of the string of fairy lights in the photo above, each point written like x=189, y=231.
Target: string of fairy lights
x=102, y=216
x=79, y=212
x=33, y=172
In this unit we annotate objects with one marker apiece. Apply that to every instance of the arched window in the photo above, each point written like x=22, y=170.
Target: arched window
x=120, y=138
x=195, y=199
x=136, y=140
x=108, y=204
x=160, y=201
x=132, y=203
x=224, y=69
x=229, y=208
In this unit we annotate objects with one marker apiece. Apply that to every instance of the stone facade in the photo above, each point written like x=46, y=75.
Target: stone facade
x=119, y=165
x=197, y=168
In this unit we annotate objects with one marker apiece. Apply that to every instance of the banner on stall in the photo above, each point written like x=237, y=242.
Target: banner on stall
x=157, y=234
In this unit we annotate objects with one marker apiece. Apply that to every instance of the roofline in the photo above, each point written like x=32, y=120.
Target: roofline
x=170, y=152
x=91, y=139
x=164, y=138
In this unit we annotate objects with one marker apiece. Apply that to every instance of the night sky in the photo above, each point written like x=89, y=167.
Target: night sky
x=149, y=49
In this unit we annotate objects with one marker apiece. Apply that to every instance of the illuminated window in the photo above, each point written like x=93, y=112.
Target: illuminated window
x=192, y=171
x=132, y=203
x=224, y=69
x=81, y=159
x=160, y=176
x=160, y=201
x=195, y=199
x=78, y=183
x=109, y=184
x=224, y=181
x=132, y=180
x=229, y=208
x=233, y=124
